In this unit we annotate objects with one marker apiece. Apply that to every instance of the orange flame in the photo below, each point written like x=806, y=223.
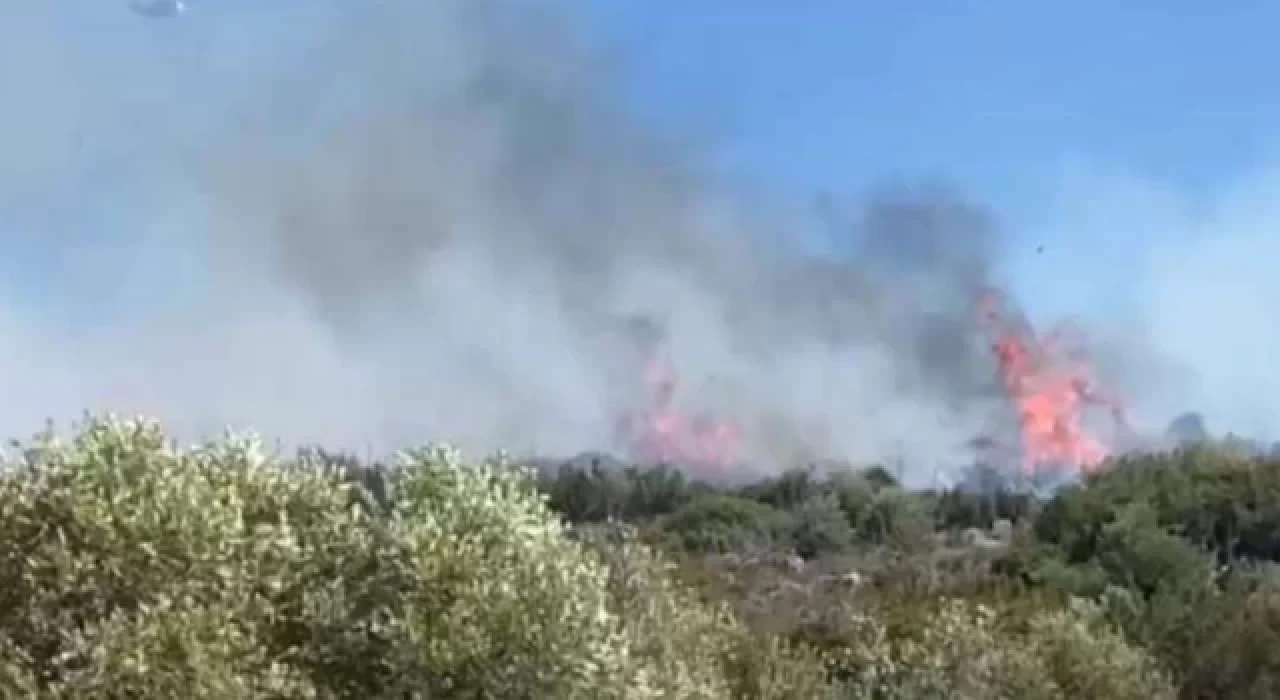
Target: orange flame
x=663, y=433
x=1050, y=393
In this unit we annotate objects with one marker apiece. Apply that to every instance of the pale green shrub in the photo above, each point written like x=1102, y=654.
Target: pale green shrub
x=1087, y=657
x=708, y=652
x=962, y=653
x=128, y=569
x=132, y=569
x=965, y=650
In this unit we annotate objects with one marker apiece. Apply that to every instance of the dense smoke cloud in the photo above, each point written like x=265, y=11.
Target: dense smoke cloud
x=478, y=235
x=373, y=226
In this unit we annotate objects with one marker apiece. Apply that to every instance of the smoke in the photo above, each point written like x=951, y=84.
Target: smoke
x=1187, y=276
x=373, y=225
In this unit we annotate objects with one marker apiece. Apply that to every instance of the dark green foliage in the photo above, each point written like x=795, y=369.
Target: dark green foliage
x=895, y=517
x=787, y=490
x=1167, y=543
x=819, y=526
x=984, y=497
x=1174, y=541
x=1230, y=645
x=879, y=477
x=597, y=492
x=724, y=523
x=1226, y=503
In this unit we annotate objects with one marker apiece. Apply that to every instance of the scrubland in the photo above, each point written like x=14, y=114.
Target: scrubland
x=130, y=568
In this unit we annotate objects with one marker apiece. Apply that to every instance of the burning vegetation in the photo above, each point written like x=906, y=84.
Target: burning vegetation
x=1051, y=385
x=662, y=432
x=1047, y=379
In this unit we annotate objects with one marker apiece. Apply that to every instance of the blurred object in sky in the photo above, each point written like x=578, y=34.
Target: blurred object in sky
x=158, y=8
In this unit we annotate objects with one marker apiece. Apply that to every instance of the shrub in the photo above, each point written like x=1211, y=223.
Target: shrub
x=895, y=517
x=786, y=490
x=131, y=569
x=588, y=494
x=602, y=490
x=1086, y=657
x=1223, y=501
x=722, y=523
x=959, y=649
x=664, y=620
x=855, y=495
x=1220, y=641
x=986, y=498
x=1130, y=550
x=819, y=526
x=1234, y=648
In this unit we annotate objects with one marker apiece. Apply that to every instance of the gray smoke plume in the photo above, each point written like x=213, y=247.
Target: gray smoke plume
x=373, y=224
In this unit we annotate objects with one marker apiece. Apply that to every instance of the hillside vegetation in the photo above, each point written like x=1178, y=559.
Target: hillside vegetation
x=130, y=569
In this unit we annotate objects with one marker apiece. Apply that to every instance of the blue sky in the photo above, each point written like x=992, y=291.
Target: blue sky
x=992, y=93
x=1028, y=107
x=1021, y=104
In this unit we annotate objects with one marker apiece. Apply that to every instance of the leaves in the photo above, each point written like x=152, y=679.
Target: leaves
x=130, y=569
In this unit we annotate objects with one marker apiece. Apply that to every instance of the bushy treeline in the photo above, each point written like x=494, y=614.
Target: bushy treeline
x=807, y=511
x=129, y=568
x=1177, y=553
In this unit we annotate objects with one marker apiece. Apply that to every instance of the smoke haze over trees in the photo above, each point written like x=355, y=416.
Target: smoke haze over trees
x=416, y=220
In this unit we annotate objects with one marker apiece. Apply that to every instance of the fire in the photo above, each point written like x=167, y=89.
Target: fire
x=1050, y=392
x=662, y=433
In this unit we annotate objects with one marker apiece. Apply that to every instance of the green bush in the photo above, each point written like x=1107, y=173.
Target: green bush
x=589, y=494
x=895, y=517
x=786, y=490
x=962, y=650
x=1133, y=551
x=595, y=489
x=1219, y=640
x=1232, y=646
x=855, y=495
x=1085, y=656
x=717, y=523
x=983, y=502
x=131, y=569
x=665, y=620
x=1215, y=498
x=819, y=526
